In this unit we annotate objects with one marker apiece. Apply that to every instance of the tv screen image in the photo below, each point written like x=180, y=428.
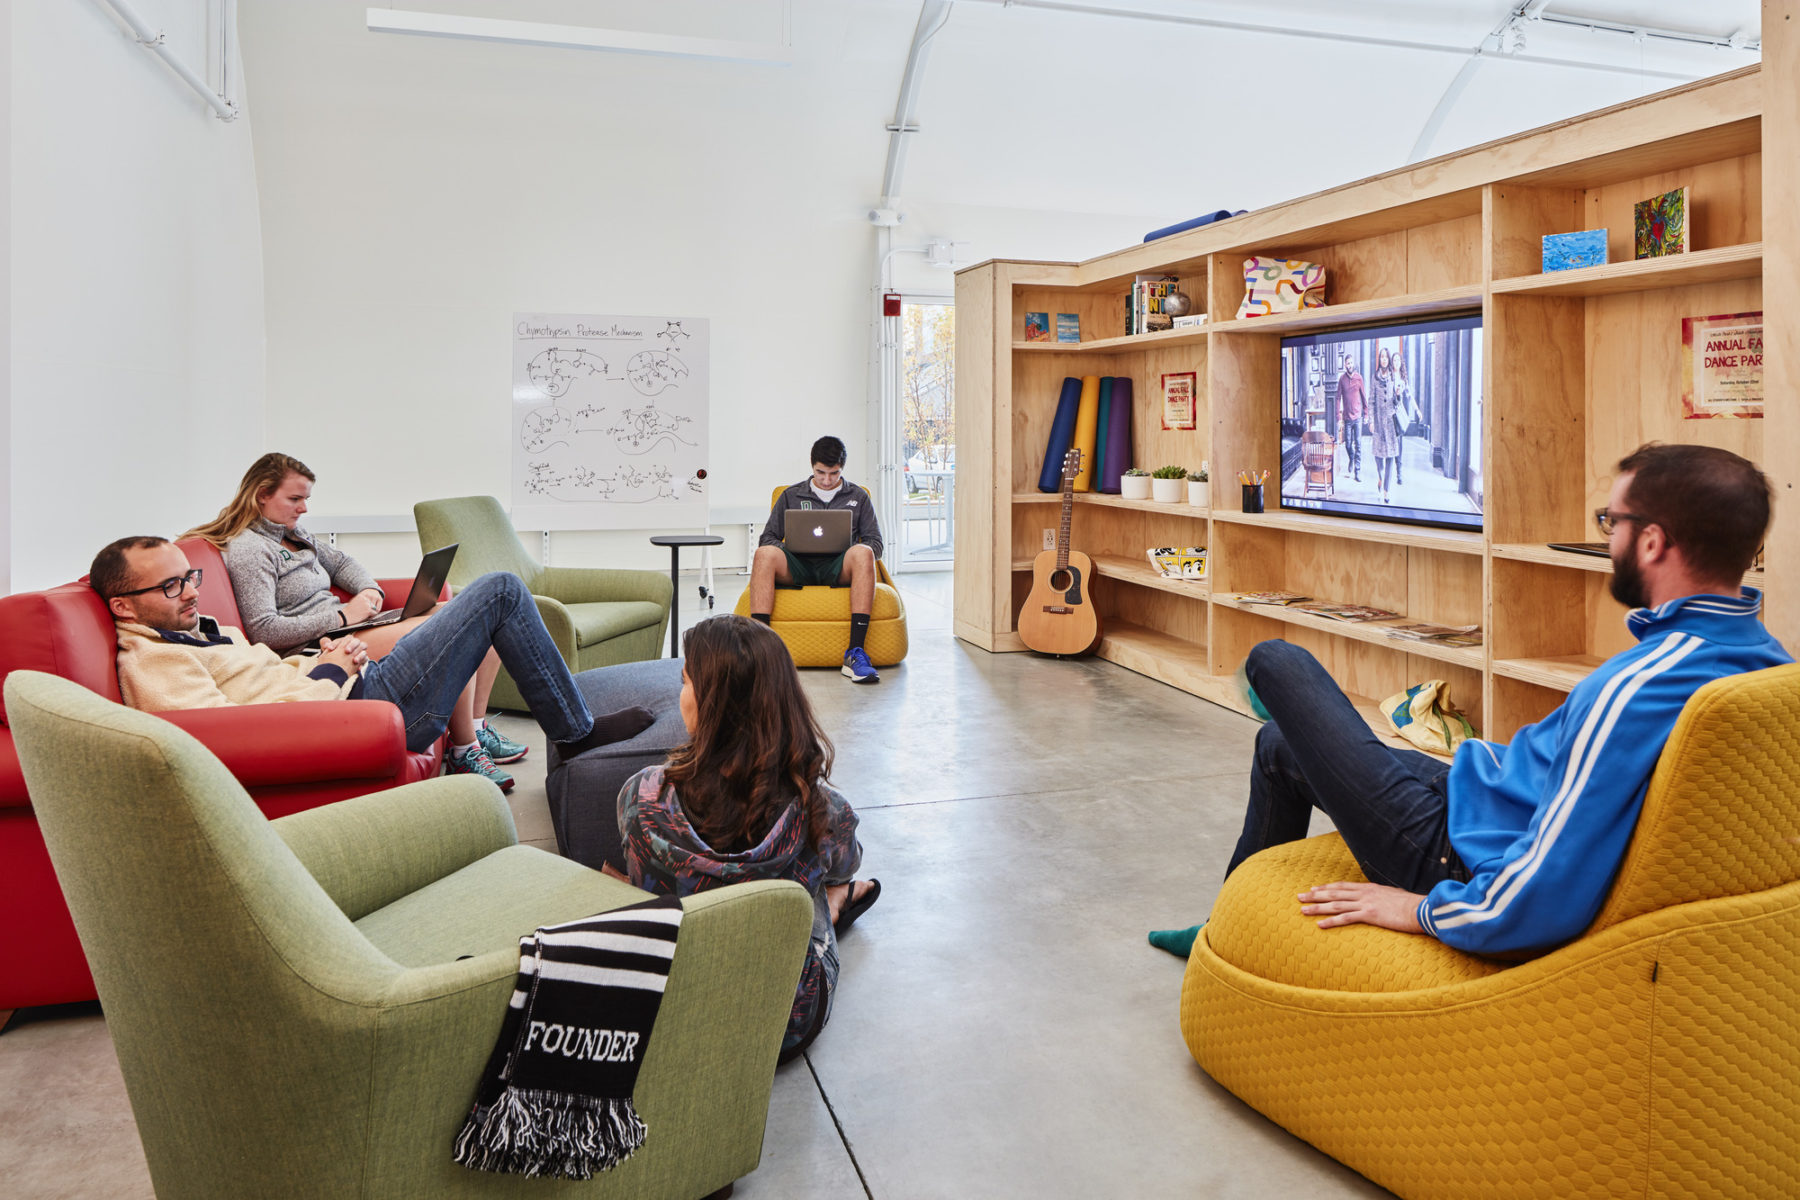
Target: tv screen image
x=1385, y=422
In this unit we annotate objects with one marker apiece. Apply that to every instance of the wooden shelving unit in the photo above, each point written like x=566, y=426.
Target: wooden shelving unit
x=1577, y=369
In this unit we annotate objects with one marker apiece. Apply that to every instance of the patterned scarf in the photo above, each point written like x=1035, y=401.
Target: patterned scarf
x=555, y=1098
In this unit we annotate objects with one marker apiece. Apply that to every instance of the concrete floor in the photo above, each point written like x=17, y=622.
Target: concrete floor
x=1001, y=1027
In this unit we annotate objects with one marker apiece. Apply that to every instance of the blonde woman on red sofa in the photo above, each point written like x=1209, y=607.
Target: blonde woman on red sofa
x=283, y=578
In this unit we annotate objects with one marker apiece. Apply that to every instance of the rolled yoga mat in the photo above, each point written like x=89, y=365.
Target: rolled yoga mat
x=1087, y=422
x=1118, y=436
x=1062, y=436
x=1106, y=384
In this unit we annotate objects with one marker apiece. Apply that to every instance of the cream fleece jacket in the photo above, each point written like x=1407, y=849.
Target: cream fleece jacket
x=213, y=667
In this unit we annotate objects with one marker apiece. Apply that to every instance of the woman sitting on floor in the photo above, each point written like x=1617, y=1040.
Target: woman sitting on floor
x=746, y=798
x=282, y=579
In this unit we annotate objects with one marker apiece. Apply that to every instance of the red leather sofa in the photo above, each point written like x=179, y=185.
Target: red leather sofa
x=289, y=757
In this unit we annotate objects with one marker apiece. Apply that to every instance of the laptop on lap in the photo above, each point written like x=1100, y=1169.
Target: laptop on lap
x=428, y=584
x=826, y=531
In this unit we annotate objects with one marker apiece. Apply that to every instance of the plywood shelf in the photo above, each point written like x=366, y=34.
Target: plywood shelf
x=1538, y=552
x=1455, y=541
x=1571, y=380
x=1419, y=304
x=1106, y=500
x=1641, y=275
x=1559, y=672
x=1113, y=566
x=1186, y=336
x=1373, y=632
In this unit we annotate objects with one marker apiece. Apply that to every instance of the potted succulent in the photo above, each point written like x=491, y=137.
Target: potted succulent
x=1166, y=484
x=1135, y=484
x=1200, y=487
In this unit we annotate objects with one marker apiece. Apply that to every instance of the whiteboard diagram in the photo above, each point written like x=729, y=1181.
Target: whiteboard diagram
x=609, y=421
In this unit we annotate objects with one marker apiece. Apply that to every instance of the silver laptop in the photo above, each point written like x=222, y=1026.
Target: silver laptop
x=427, y=586
x=819, y=530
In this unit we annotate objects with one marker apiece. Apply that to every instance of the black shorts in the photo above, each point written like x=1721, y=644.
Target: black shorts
x=814, y=570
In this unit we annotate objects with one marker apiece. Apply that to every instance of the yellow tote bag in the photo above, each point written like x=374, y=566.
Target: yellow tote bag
x=1424, y=716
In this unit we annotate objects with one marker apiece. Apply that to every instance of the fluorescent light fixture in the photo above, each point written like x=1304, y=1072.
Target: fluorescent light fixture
x=579, y=37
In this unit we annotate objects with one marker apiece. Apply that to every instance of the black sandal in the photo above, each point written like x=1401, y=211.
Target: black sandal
x=857, y=907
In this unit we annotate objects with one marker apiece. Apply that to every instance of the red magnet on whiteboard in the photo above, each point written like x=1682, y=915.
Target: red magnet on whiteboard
x=890, y=304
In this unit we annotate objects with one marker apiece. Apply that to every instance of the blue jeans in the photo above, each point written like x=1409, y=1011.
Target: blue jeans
x=1391, y=806
x=428, y=668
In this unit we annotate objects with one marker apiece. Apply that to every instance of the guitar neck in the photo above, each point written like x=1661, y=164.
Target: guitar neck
x=1062, y=534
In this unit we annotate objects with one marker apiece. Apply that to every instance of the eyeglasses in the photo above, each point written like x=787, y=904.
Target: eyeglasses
x=1607, y=520
x=172, y=586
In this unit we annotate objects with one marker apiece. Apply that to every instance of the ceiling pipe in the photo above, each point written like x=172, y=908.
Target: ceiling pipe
x=1350, y=39
x=155, y=41
x=933, y=14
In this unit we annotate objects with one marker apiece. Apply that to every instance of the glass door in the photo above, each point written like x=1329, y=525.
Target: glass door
x=926, y=411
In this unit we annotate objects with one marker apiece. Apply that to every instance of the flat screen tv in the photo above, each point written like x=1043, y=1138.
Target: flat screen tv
x=1384, y=422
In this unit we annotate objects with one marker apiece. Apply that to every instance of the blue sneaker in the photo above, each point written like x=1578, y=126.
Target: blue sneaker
x=477, y=762
x=500, y=748
x=858, y=668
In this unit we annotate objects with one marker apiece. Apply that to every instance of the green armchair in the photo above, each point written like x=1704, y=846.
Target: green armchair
x=304, y=1007
x=597, y=617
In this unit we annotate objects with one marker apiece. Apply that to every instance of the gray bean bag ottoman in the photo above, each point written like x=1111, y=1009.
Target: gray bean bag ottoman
x=584, y=792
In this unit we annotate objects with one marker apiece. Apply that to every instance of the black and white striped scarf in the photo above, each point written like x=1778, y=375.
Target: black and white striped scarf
x=555, y=1098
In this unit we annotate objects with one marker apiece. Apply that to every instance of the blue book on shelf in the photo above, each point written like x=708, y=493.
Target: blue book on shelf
x=1568, y=251
x=1068, y=327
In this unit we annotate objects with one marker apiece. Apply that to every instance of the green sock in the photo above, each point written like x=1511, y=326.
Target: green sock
x=1179, y=942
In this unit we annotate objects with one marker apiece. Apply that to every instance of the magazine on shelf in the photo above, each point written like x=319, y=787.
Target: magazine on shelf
x=1346, y=612
x=1442, y=635
x=1282, y=599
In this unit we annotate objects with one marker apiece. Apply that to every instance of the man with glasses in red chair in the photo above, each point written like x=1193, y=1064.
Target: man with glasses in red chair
x=171, y=657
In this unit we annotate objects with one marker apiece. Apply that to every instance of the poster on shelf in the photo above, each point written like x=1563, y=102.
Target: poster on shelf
x=1721, y=366
x=1178, y=410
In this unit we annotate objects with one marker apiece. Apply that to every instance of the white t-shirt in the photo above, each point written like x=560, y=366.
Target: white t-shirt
x=827, y=497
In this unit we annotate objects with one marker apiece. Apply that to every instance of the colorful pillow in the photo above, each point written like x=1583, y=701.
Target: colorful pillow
x=1276, y=285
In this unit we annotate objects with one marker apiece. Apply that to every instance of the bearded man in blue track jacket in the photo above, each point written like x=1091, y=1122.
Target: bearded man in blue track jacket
x=1512, y=848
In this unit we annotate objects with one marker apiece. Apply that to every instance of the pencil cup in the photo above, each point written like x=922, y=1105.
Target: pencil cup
x=1253, y=500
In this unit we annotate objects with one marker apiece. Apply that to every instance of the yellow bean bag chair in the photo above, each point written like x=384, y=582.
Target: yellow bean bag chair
x=815, y=621
x=1658, y=1055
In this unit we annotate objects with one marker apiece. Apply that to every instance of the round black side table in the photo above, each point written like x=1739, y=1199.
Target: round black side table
x=675, y=541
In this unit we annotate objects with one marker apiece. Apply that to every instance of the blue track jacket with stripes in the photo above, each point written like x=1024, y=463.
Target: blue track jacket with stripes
x=1542, y=823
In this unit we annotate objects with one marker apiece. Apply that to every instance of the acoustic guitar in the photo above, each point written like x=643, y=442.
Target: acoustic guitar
x=1059, y=616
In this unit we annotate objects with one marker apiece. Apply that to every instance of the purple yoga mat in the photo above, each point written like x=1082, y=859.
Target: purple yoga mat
x=1062, y=436
x=1118, y=436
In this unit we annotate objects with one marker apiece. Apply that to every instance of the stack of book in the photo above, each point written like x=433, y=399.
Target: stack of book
x=1146, y=314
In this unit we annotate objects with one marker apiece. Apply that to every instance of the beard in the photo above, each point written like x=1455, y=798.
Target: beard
x=1628, y=580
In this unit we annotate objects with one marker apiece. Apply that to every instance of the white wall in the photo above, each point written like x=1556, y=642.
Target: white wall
x=137, y=291
x=416, y=192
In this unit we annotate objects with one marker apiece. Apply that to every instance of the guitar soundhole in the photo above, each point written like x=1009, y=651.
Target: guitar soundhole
x=1062, y=581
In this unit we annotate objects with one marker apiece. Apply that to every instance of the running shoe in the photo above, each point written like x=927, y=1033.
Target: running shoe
x=858, y=668
x=475, y=761
x=500, y=748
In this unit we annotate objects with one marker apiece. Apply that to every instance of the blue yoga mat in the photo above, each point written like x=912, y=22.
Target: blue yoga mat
x=1062, y=436
x=1118, y=436
x=1100, y=429
x=1192, y=223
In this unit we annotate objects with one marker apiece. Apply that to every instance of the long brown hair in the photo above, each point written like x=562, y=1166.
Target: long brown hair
x=756, y=745
x=264, y=476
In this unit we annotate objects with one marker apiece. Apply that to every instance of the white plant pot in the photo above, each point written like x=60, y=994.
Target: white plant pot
x=1167, y=491
x=1134, y=487
x=1200, y=494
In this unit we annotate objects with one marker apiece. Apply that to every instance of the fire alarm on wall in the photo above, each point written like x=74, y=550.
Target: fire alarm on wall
x=890, y=304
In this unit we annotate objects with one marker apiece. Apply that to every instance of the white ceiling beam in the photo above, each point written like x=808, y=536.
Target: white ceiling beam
x=577, y=37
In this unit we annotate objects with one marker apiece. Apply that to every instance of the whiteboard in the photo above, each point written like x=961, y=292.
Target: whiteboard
x=609, y=420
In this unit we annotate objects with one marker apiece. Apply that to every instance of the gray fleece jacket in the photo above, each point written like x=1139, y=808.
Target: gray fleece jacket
x=284, y=594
